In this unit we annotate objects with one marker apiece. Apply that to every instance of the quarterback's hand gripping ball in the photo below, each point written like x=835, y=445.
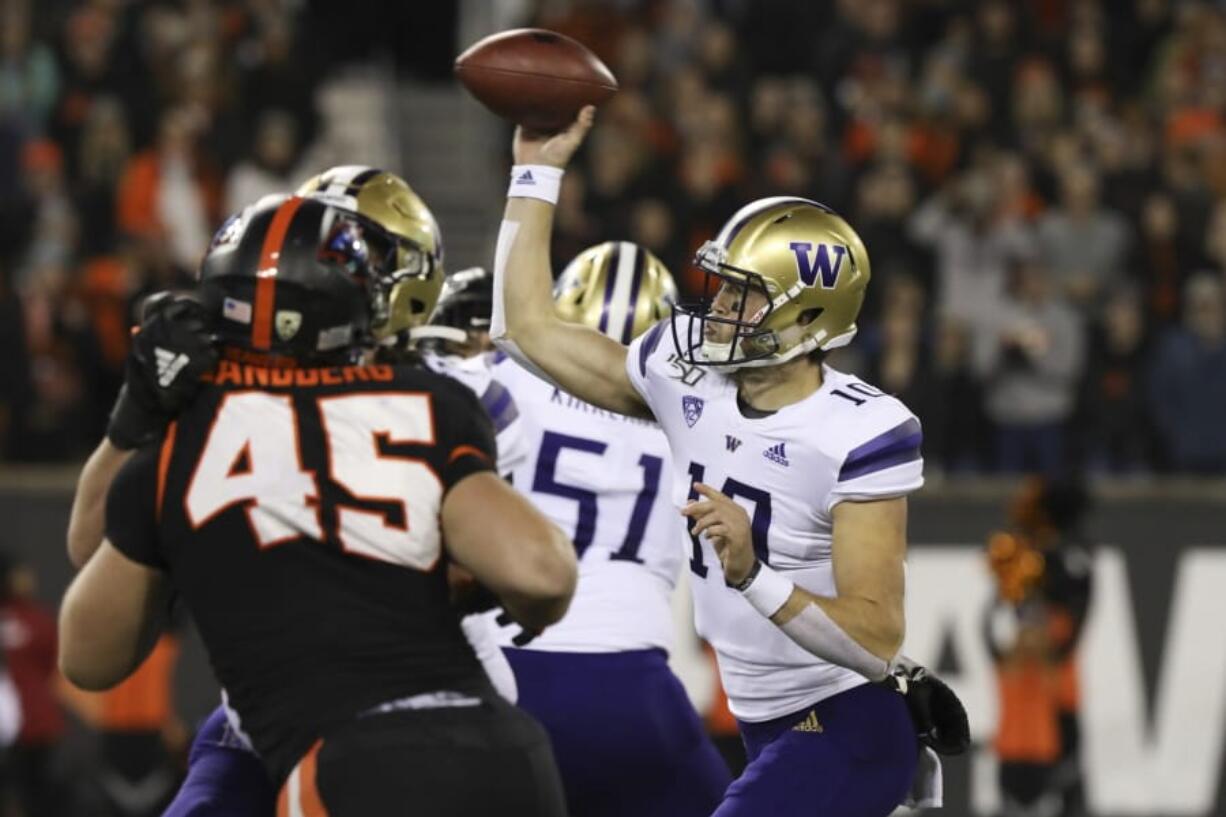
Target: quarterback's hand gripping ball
x=170, y=351
x=555, y=150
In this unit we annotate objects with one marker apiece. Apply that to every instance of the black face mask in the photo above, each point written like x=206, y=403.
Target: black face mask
x=749, y=342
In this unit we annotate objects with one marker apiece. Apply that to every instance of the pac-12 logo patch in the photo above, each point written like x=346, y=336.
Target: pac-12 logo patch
x=825, y=262
x=691, y=408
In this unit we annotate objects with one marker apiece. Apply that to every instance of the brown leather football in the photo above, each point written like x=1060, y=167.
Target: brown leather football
x=535, y=78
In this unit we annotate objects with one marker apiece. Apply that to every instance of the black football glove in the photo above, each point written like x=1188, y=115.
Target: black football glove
x=939, y=717
x=171, y=349
x=521, y=639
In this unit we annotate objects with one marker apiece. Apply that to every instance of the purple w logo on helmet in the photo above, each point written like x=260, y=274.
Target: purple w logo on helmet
x=820, y=263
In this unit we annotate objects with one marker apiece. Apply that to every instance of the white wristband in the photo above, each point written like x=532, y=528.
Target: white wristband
x=768, y=591
x=535, y=182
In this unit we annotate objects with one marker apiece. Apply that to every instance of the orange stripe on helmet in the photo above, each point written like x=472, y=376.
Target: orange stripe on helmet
x=266, y=274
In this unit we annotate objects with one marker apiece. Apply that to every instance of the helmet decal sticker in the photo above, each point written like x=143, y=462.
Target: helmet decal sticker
x=809, y=269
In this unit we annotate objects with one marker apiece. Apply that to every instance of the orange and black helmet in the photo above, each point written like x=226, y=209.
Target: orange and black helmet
x=298, y=277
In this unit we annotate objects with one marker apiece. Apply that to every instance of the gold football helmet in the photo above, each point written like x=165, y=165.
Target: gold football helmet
x=617, y=288
x=386, y=199
x=807, y=261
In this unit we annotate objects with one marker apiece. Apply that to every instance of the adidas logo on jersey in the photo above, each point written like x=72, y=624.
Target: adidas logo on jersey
x=731, y=442
x=525, y=178
x=809, y=724
x=168, y=365
x=776, y=454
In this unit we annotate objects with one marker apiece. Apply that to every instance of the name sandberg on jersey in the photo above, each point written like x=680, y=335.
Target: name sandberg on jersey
x=846, y=441
x=599, y=476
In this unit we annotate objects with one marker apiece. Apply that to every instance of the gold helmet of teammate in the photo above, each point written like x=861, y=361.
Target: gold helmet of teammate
x=387, y=200
x=804, y=258
x=617, y=288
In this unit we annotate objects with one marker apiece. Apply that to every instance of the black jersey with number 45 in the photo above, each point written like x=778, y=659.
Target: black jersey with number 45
x=297, y=513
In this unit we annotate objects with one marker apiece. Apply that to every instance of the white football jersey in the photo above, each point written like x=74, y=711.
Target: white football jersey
x=789, y=469
x=603, y=479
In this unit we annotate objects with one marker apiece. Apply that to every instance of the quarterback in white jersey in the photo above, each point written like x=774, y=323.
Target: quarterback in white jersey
x=793, y=478
x=789, y=478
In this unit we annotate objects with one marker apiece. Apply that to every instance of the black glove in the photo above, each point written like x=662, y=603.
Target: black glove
x=939, y=717
x=170, y=351
x=521, y=639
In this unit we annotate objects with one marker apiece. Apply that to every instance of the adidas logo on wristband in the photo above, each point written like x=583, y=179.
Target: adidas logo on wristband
x=536, y=182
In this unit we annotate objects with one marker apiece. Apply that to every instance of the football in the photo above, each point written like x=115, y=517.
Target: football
x=536, y=78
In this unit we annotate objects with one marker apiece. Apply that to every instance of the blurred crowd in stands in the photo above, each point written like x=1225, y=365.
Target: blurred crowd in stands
x=1041, y=185
x=127, y=131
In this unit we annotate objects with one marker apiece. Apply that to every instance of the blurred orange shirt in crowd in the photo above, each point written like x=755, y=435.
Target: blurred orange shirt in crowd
x=1029, y=730
x=136, y=210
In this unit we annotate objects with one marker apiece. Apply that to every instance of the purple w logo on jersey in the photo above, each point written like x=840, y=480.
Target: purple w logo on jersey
x=691, y=408
x=820, y=263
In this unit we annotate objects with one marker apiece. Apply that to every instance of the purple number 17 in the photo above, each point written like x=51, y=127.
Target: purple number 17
x=760, y=522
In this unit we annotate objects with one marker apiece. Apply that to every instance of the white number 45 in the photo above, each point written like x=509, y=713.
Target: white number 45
x=252, y=457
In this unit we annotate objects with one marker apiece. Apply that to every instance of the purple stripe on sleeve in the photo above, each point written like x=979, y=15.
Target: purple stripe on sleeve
x=897, y=446
x=499, y=405
x=650, y=341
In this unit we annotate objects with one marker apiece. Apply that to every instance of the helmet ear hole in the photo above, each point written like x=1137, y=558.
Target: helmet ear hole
x=809, y=316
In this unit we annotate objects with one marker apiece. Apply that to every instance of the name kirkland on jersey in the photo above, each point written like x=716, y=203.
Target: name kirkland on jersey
x=847, y=441
x=568, y=400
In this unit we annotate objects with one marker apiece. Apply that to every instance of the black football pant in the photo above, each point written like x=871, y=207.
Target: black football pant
x=491, y=759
